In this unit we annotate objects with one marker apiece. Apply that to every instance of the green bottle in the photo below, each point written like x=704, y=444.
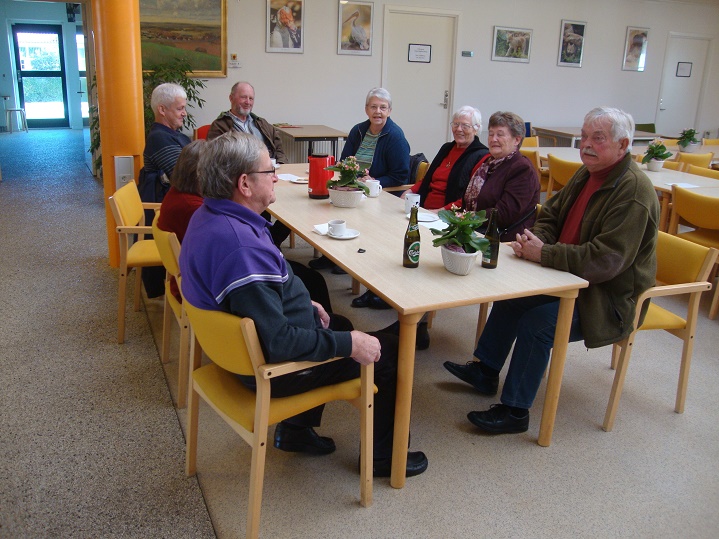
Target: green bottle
x=410, y=256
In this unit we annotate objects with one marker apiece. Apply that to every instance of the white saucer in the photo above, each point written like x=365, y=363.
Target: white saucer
x=425, y=217
x=300, y=180
x=349, y=234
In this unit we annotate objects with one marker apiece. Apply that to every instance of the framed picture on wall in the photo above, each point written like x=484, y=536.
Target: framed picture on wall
x=354, y=28
x=511, y=44
x=635, y=49
x=571, y=43
x=197, y=34
x=284, y=26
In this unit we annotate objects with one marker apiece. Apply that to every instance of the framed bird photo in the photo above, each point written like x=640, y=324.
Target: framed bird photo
x=285, y=26
x=354, y=29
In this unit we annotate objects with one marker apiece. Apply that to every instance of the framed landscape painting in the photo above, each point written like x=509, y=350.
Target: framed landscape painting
x=195, y=31
x=511, y=44
x=635, y=49
x=354, y=28
x=284, y=26
x=571, y=43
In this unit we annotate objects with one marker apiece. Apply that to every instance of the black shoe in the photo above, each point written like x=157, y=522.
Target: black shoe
x=416, y=464
x=363, y=300
x=377, y=302
x=499, y=420
x=302, y=440
x=422, y=341
x=472, y=374
x=338, y=271
x=321, y=263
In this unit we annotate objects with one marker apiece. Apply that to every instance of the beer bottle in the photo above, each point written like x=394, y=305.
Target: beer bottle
x=489, y=257
x=410, y=257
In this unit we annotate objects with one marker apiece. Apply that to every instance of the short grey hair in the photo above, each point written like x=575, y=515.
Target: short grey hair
x=225, y=159
x=234, y=86
x=379, y=93
x=473, y=113
x=165, y=94
x=511, y=121
x=622, y=123
x=184, y=175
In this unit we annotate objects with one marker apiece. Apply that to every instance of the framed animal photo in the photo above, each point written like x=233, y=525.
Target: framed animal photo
x=635, y=49
x=571, y=43
x=354, y=29
x=284, y=26
x=511, y=44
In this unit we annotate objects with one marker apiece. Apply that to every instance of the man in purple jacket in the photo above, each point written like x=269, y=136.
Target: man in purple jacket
x=230, y=263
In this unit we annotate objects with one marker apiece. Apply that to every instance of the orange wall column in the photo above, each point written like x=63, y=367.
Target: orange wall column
x=116, y=25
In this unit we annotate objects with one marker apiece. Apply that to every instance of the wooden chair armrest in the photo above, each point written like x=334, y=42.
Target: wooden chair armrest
x=273, y=370
x=673, y=290
x=393, y=188
x=151, y=205
x=134, y=229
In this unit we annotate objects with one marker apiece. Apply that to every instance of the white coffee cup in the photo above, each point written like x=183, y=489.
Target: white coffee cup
x=337, y=227
x=375, y=188
x=410, y=199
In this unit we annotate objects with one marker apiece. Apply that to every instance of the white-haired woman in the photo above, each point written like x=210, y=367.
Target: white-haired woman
x=450, y=170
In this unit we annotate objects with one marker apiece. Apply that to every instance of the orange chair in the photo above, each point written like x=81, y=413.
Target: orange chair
x=560, y=171
x=201, y=132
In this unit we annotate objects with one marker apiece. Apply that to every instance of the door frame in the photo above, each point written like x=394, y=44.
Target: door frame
x=411, y=10
x=62, y=74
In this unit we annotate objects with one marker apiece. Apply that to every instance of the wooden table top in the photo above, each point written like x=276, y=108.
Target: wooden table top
x=311, y=131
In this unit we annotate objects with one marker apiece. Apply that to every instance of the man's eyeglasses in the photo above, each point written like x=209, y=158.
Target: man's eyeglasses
x=273, y=172
x=465, y=127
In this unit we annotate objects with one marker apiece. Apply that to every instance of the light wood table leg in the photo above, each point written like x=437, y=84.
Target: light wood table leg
x=403, y=402
x=556, y=370
x=664, y=211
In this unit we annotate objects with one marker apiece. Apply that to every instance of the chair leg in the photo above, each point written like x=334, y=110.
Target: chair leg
x=430, y=318
x=618, y=384
x=366, y=434
x=183, y=364
x=257, y=477
x=167, y=316
x=616, y=349
x=687, y=351
x=138, y=287
x=355, y=287
x=715, y=302
x=481, y=321
x=292, y=240
x=121, y=299
x=193, y=409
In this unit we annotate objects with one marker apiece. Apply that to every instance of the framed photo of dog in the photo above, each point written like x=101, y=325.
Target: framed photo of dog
x=285, y=24
x=571, y=43
x=635, y=49
x=511, y=44
x=354, y=29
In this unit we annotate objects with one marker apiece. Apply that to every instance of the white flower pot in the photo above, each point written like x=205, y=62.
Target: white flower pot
x=345, y=199
x=458, y=263
x=691, y=148
x=655, y=165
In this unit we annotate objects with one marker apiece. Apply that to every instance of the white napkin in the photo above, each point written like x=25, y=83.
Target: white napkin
x=321, y=229
x=288, y=177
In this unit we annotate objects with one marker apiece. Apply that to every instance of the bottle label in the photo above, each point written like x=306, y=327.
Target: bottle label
x=412, y=228
x=413, y=252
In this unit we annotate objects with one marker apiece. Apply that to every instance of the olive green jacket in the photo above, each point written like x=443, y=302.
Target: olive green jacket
x=616, y=251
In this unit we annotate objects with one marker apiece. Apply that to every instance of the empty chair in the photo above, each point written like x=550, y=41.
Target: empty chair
x=233, y=347
x=702, y=171
x=700, y=212
x=129, y=213
x=672, y=165
x=201, y=132
x=10, y=120
x=682, y=268
x=560, y=171
x=169, y=248
x=670, y=141
x=530, y=142
x=710, y=141
x=697, y=159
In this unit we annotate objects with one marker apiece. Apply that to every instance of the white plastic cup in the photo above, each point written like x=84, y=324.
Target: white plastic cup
x=375, y=188
x=410, y=199
x=337, y=227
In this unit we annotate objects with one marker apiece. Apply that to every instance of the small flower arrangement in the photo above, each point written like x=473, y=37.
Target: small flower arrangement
x=687, y=137
x=349, y=170
x=656, y=151
x=461, y=232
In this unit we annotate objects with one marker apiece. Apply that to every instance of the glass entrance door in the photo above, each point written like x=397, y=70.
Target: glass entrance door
x=40, y=65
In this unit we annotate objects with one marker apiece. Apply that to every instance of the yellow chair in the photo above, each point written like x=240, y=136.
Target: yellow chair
x=682, y=268
x=670, y=141
x=542, y=172
x=530, y=142
x=697, y=159
x=169, y=247
x=129, y=213
x=232, y=345
x=672, y=165
x=422, y=169
x=710, y=141
x=702, y=171
x=700, y=212
x=560, y=171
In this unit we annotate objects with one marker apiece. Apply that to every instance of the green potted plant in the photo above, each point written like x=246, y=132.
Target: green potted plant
x=655, y=155
x=688, y=141
x=345, y=190
x=459, y=240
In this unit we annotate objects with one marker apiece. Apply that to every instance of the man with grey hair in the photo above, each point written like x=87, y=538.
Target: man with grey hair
x=602, y=226
x=163, y=145
x=241, y=118
x=230, y=263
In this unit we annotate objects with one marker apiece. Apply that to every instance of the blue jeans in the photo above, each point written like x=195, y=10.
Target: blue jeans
x=530, y=322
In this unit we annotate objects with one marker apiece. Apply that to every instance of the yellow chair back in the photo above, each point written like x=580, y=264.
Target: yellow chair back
x=169, y=247
x=530, y=142
x=697, y=159
x=129, y=205
x=679, y=260
x=710, y=141
x=670, y=141
x=702, y=171
x=699, y=210
x=560, y=171
x=672, y=165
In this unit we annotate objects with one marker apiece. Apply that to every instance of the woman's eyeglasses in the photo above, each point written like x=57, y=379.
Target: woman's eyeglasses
x=464, y=127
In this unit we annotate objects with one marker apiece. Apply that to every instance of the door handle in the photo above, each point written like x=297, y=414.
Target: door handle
x=445, y=103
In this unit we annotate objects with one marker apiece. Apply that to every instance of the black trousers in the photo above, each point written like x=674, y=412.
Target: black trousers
x=385, y=378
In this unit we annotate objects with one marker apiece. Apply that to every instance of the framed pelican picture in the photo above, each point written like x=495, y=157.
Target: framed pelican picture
x=285, y=26
x=354, y=29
